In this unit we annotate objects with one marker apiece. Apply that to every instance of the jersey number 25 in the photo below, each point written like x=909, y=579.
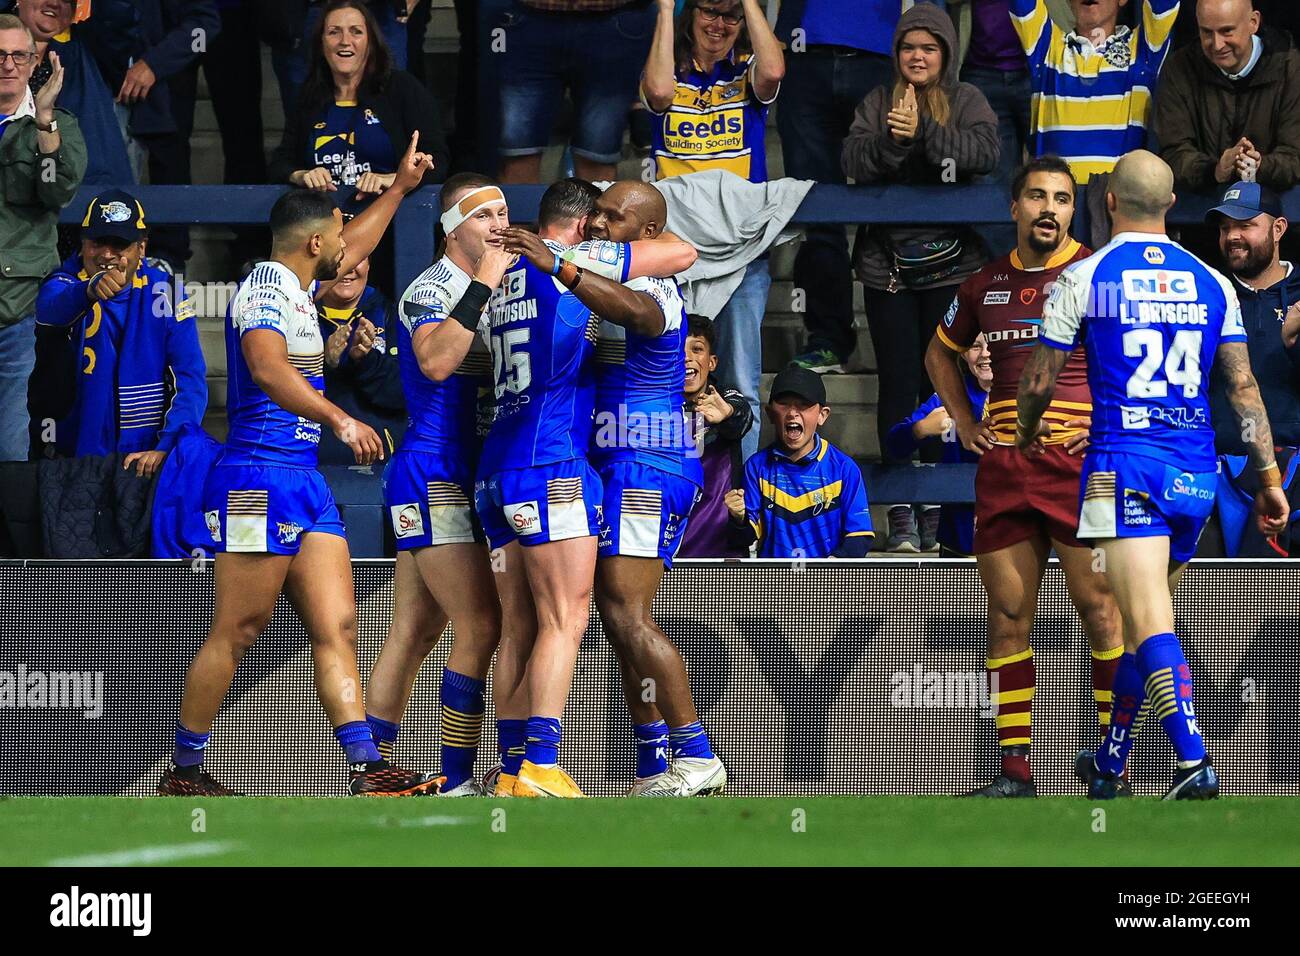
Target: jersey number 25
x=512, y=370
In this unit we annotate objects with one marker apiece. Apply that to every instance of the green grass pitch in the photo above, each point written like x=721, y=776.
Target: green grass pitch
x=934, y=831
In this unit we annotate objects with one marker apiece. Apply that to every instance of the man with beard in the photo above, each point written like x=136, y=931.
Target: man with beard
x=1251, y=226
x=274, y=524
x=1025, y=506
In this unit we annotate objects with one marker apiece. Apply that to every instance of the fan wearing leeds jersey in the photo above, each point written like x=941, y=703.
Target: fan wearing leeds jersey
x=1025, y=508
x=442, y=571
x=649, y=468
x=1153, y=319
x=274, y=524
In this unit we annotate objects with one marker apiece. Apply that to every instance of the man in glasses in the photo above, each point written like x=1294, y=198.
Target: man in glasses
x=44, y=158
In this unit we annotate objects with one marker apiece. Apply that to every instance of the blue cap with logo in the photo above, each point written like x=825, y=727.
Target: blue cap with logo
x=114, y=215
x=1246, y=201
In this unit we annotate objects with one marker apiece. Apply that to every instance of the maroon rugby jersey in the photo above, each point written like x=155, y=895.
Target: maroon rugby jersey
x=1004, y=300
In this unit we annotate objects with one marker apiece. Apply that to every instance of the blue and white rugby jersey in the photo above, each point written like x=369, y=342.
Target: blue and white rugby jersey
x=261, y=432
x=640, y=404
x=443, y=415
x=542, y=339
x=1151, y=316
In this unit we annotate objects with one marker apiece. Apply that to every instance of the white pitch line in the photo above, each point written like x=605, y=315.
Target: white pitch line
x=433, y=822
x=146, y=855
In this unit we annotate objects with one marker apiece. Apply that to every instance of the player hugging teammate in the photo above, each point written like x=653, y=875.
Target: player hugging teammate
x=523, y=324
x=562, y=308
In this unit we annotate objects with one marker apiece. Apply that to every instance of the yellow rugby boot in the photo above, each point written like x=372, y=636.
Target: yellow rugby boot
x=535, y=781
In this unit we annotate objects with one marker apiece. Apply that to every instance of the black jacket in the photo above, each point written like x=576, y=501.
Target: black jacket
x=403, y=106
x=1276, y=368
x=163, y=33
x=94, y=508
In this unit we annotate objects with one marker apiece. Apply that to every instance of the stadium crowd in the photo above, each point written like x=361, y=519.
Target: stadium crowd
x=871, y=92
x=1058, y=103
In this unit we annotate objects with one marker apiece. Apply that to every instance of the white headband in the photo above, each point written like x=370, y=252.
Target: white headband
x=469, y=204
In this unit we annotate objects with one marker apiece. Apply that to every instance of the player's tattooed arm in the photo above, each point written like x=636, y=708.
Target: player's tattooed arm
x=1037, y=385
x=1272, y=509
x=1243, y=395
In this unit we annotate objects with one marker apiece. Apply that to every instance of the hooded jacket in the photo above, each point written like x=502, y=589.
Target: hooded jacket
x=871, y=155
x=1200, y=113
x=1276, y=367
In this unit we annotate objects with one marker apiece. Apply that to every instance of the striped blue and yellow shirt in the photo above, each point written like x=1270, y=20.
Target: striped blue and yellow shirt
x=715, y=121
x=1092, y=102
x=807, y=508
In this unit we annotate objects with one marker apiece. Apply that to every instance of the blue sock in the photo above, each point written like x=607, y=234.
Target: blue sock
x=651, y=748
x=385, y=733
x=189, y=747
x=542, y=741
x=690, y=741
x=1129, y=694
x=356, y=742
x=462, y=725
x=1169, y=689
x=510, y=742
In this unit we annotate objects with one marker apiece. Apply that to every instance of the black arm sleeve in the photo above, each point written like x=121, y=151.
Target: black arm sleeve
x=741, y=420
x=739, y=534
x=855, y=547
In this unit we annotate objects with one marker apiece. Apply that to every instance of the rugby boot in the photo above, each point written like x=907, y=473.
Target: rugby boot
x=641, y=784
x=1004, y=786
x=192, y=782
x=535, y=781
x=379, y=778
x=1195, y=783
x=1101, y=786
x=691, y=777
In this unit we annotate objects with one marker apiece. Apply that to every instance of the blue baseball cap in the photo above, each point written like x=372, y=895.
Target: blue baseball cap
x=1246, y=201
x=114, y=215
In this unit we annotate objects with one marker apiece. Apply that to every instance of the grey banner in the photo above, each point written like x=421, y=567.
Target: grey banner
x=826, y=678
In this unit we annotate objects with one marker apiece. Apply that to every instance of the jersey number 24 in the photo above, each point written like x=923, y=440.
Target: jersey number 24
x=1182, y=363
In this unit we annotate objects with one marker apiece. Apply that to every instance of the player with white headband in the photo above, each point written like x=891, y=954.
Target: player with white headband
x=443, y=570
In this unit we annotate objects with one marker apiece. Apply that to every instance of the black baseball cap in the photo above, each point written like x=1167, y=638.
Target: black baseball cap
x=1246, y=201
x=802, y=382
x=114, y=215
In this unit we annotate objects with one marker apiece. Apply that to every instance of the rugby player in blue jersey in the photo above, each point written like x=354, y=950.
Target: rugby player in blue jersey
x=1153, y=319
x=274, y=524
x=443, y=570
x=651, y=476
x=550, y=427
